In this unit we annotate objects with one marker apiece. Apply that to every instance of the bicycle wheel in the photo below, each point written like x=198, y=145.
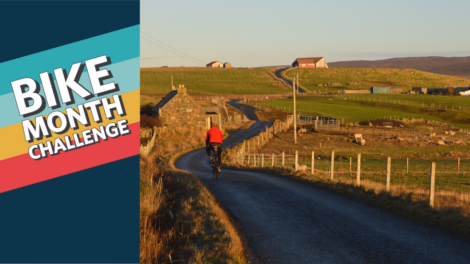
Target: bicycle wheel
x=214, y=171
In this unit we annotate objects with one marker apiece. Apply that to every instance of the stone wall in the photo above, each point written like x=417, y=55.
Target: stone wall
x=183, y=110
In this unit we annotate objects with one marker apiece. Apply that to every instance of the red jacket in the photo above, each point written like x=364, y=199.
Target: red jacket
x=214, y=135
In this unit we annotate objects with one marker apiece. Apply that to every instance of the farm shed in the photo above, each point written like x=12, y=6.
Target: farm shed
x=177, y=107
x=313, y=62
x=215, y=64
x=227, y=65
x=356, y=91
x=396, y=90
x=420, y=90
x=436, y=91
x=458, y=90
x=380, y=90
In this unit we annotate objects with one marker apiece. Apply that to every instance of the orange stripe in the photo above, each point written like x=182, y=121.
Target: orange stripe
x=13, y=136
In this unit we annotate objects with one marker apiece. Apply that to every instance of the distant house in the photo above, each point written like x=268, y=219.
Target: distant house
x=227, y=65
x=420, y=90
x=215, y=64
x=314, y=62
x=177, y=107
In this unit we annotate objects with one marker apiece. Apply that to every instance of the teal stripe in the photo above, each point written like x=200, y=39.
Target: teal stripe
x=120, y=45
x=126, y=74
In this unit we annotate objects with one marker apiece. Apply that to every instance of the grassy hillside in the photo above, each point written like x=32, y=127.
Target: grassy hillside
x=211, y=80
x=361, y=111
x=365, y=78
x=454, y=66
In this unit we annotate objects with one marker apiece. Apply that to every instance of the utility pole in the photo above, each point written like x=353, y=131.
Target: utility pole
x=297, y=83
x=295, y=118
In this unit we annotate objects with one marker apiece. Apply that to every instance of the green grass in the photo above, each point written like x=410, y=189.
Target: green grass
x=217, y=81
x=362, y=111
x=365, y=78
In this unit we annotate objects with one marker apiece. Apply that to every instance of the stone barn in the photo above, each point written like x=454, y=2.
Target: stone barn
x=178, y=108
x=227, y=65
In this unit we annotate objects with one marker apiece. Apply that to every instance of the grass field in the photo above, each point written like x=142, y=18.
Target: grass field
x=365, y=78
x=354, y=110
x=210, y=80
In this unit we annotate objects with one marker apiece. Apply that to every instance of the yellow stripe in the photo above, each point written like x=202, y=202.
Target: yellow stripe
x=15, y=144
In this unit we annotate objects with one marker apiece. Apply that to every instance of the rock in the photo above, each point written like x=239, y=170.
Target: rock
x=401, y=139
x=451, y=133
x=363, y=142
x=402, y=126
x=432, y=135
x=441, y=143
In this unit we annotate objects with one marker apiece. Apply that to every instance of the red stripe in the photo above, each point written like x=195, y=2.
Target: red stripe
x=22, y=170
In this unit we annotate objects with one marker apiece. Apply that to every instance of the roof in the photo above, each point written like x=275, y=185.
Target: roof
x=212, y=110
x=227, y=62
x=308, y=60
x=165, y=100
x=168, y=98
x=210, y=63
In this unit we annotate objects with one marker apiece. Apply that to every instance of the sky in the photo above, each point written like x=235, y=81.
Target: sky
x=252, y=33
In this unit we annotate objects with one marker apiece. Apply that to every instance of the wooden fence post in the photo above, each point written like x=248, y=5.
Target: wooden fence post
x=389, y=167
x=350, y=165
x=407, y=164
x=262, y=160
x=312, y=168
x=332, y=165
x=296, y=160
x=431, y=185
x=283, y=157
x=272, y=161
x=358, y=176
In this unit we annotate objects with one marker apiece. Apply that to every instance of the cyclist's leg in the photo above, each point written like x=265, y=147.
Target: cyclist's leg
x=208, y=150
x=219, y=154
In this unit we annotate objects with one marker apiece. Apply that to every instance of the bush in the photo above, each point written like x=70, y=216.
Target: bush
x=149, y=121
x=146, y=109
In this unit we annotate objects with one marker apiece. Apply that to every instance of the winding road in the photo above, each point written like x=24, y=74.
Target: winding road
x=279, y=75
x=289, y=222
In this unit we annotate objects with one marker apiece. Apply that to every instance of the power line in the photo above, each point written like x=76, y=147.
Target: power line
x=170, y=51
x=172, y=47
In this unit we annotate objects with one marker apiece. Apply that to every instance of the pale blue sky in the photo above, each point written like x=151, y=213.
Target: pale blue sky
x=261, y=32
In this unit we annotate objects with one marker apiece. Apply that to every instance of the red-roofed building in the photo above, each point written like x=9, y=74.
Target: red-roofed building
x=314, y=62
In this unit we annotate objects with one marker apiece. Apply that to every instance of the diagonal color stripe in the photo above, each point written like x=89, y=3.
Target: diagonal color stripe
x=119, y=45
x=22, y=171
x=17, y=145
x=126, y=74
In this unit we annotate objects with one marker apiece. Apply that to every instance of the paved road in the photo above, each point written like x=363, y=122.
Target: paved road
x=289, y=222
x=279, y=75
x=247, y=110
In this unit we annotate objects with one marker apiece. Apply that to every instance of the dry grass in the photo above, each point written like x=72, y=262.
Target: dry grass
x=181, y=220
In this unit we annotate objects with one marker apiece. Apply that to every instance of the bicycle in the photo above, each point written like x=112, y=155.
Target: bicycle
x=215, y=168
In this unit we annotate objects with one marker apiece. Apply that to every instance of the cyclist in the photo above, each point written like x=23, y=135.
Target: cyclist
x=214, y=138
